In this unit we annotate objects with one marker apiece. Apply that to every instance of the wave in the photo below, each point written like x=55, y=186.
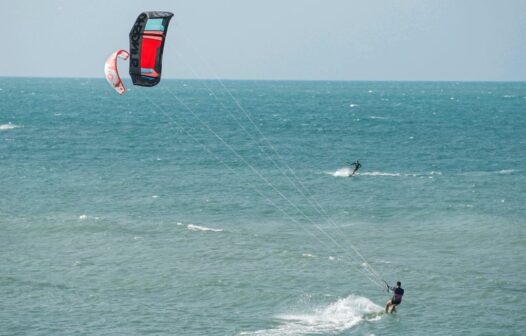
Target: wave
x=193, y=227
x=377, y=118
x=486, y=173
x=86, y=217
x=334, y=318
x=9, y=126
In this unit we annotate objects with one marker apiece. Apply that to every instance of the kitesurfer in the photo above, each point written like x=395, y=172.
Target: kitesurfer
x=398, y=291
x=357, y=166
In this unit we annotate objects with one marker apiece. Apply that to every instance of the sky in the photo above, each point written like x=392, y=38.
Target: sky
x=421, y=40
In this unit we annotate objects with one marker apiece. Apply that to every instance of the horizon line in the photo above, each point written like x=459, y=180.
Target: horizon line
x=292, y=80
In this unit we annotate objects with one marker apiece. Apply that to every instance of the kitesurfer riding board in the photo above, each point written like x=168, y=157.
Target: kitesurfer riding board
x=398, y=293
x=357, y=166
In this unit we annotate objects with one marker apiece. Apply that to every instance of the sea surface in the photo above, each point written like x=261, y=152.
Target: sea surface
x=226, y=208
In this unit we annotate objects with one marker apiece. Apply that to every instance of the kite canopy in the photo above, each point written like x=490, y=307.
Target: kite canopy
x=111, y=72
x=146, y=47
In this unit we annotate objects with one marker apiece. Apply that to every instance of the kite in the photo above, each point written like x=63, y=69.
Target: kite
x=146, y=47
x=146, y=52
x=111, y=72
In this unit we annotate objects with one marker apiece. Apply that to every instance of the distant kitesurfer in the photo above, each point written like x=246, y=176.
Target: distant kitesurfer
x=398, y=291
x=357, y=166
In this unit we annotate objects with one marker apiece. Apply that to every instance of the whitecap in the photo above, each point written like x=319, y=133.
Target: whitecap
x=307, y=255
x=8, y=126
x=353, y=105
x=381, y=261
x=331, y=319
x=193, y=227
x=86, y=217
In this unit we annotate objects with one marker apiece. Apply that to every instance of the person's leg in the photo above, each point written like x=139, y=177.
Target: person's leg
x=387, y=305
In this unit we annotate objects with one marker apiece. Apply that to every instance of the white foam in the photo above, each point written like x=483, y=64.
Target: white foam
x=381, y=174
x=307, y=255
x=8, y=126
x=334, y=318
x=342, y=172
x=193, y=227
x=353, y=105
x=507, y=171
x=346, y=172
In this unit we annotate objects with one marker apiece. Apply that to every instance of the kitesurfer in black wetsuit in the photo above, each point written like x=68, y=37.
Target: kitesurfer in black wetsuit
x=357, y=166
x=396, y=299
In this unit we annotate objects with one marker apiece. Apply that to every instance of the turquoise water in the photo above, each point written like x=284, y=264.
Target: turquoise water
x=166, y=212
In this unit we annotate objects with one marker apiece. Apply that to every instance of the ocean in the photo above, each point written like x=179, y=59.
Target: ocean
x=208, y=207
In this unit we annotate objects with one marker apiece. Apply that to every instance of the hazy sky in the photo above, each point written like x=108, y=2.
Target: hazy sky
x=275, y=39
